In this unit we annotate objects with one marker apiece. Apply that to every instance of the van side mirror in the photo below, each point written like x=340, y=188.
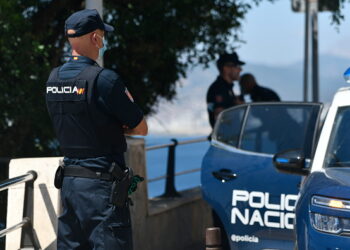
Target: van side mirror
x=291, y=162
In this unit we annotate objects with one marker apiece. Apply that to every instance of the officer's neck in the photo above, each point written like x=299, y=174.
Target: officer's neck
x=227, y=78
x=92, y=55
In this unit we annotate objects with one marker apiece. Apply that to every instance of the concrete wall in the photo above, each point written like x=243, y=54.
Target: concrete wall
x=164, y=224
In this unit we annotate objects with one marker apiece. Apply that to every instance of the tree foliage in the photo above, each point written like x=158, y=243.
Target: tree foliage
x=336, y=7
x=156, y=41
x=154, y=44
x=31, y=42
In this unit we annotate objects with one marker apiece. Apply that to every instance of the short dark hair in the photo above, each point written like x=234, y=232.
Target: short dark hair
x=249, y=78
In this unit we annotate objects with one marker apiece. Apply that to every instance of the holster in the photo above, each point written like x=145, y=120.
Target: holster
x=121, y=182
x=59, y=175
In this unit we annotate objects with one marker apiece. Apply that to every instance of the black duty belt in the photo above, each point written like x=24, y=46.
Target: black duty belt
x=77, y=171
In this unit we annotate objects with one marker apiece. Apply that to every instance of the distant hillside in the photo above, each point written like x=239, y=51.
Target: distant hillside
x=187, y=114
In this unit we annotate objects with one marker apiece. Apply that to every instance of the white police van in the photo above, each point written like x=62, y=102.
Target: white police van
x=323, y=208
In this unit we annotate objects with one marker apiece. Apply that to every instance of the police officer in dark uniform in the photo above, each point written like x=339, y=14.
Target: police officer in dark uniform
x=91, y=111
x=220, y=94
x=257, y=93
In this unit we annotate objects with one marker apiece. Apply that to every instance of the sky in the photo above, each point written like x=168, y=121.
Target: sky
x=274, y=34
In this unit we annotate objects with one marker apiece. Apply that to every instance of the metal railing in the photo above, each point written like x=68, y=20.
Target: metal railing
x=170, y=190
x=28, y=234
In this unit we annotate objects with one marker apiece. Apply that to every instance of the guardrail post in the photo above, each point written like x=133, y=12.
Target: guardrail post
x=170, y=190
x=28, y=235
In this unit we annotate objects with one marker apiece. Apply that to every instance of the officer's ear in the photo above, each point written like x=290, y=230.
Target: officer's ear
x=94, y=38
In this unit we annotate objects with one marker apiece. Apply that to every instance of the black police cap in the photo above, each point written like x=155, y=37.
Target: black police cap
x=228, y=58
x=85, y=21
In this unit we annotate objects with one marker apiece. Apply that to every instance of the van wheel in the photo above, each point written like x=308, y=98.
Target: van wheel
x=217, y=223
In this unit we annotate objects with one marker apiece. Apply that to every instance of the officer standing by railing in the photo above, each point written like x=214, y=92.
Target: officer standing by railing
x=91, y=111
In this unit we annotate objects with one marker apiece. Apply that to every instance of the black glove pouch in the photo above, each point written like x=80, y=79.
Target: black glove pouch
x=59, y=177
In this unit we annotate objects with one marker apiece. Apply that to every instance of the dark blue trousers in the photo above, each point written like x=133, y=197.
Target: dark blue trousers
x=88, y=220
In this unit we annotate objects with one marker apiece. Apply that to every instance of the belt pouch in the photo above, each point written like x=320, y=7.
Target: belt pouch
x=120, y=187
x=59, y=177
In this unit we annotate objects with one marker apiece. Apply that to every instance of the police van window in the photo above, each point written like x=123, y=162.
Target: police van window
x=274, y=128
x=228, y=127
x=338, y=152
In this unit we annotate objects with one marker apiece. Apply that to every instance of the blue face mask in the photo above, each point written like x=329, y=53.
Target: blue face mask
x=102, y=50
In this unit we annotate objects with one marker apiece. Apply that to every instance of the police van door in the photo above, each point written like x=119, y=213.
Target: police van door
x=254, y=202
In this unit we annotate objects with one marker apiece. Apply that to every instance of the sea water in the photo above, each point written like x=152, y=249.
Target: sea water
x=187, y=157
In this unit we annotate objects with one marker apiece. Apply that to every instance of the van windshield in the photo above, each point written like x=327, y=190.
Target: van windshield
x=338, y=152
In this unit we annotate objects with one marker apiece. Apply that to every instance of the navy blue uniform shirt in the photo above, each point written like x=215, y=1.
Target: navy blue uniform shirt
x=220, y=95
x=112, y=98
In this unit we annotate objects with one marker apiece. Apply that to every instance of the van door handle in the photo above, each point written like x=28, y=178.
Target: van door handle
x=224, y=175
